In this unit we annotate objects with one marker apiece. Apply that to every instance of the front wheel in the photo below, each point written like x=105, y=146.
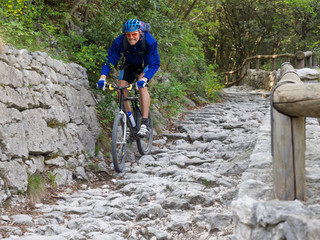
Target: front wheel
x=144, y=144
x=119, y=142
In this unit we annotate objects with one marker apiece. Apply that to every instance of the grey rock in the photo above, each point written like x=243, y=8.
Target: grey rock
x=22, y=219
x=255, y=189
x=144, y=197
x=63, y=177
x=15, y=174
x=157, y=234
x=274, y=212
x=218, y=221
x=80, y=173
x=244, y=210
x=152, y=211
x=301, y=227
x=176, y=136
x=308, y=74
x=59, y=162
x=35, y=164
x=208, y=137
x=11, y=229
x=179, y=221
x=37, y=237
x=175, y=203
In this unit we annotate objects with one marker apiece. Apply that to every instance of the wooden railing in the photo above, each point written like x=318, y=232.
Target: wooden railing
x=291, y=102
x=301, y=60
x=305, y=59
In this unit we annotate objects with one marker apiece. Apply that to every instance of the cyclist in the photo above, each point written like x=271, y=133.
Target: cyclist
x=140, y=57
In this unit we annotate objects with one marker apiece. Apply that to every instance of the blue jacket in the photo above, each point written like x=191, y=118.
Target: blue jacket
x=150, y=57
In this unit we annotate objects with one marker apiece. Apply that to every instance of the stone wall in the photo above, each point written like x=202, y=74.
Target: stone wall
x=48, y=119
x=261, y=79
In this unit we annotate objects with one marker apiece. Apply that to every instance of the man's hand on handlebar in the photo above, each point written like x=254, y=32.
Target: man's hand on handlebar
x=142, y=83
x=102, y=83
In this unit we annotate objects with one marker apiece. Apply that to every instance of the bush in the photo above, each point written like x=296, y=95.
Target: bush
x=169, y=95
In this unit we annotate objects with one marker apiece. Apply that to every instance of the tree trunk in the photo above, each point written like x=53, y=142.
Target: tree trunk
x=189, y=10
x=86, y=13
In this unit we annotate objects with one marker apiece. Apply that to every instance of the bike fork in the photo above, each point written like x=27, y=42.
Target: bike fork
x=124, y=119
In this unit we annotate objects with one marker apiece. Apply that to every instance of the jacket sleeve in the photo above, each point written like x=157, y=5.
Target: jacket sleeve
x=153, y=59
x=114, y=54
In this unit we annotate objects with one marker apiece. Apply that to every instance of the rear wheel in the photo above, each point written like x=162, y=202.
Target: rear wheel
x=144, y=144
x=119, y=142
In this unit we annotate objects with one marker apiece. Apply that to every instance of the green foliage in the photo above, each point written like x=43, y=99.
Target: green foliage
x=169, y=95
x=93, y=166
x=186, y=63
x=14, y=9
x=36, y=187
x=233, y=30
x=211, y=83
x=18, y=35
x=52, y=178
x=91, y=58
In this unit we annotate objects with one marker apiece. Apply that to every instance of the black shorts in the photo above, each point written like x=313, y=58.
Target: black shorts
x=129, y=73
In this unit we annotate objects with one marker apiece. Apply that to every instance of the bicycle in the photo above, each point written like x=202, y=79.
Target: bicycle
x=121, y=124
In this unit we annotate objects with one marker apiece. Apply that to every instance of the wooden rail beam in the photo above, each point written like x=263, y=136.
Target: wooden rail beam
x=301, y=59
x=298, y=100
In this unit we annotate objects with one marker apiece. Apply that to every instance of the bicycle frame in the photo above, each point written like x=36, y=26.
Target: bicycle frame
x=134, y=104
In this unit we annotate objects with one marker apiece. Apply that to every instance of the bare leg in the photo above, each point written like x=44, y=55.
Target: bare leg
x=123, y=83
x=144, y=99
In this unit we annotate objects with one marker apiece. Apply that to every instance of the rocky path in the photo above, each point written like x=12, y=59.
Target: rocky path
x=182, y=191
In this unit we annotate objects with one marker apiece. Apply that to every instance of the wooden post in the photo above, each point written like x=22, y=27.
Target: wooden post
x=243, y=71
x=299, y=59
x=273, y=64
x=257, y=63
x=299, y=148
x=227, y=78
x=288, y=144
x=314, y=60
x=308, y=58
x=283, y=168
x=248, y=65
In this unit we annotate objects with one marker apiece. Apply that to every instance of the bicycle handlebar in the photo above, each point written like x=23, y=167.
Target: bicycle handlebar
x=112, y=87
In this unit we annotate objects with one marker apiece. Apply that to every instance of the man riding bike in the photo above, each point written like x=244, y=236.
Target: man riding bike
x=140, y=51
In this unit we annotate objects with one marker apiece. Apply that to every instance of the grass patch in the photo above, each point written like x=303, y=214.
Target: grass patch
x=52, y=178
x=36, y=187
x=56, y=124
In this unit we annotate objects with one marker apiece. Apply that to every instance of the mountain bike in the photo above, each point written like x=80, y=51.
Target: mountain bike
x=123, y=130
